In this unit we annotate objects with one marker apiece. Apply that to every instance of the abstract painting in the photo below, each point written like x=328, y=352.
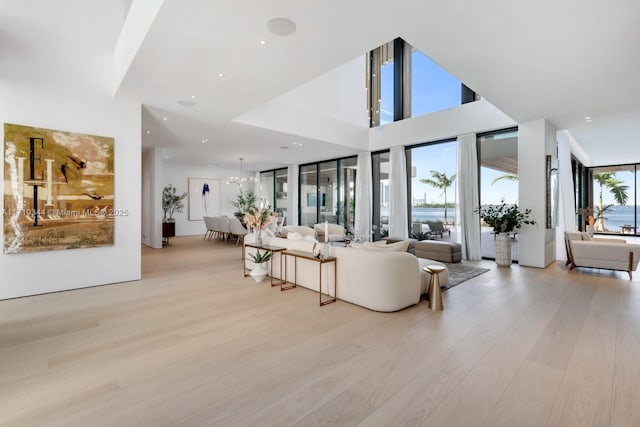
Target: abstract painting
x=58, y=190
x=204, y=198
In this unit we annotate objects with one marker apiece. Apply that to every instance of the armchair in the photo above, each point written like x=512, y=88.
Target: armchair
x=337, y=233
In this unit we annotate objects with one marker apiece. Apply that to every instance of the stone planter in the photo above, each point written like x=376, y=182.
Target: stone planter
x=259, y=272
x=503, y=250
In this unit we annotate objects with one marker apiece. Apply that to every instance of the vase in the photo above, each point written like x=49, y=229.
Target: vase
x=503, y=250
x=259, y=237
x=259, y=272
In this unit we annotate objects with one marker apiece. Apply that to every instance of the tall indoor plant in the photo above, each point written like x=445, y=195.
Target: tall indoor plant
x=171, y=202
x=504, y=219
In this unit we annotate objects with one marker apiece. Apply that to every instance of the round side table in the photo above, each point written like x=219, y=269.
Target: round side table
x=435, y=294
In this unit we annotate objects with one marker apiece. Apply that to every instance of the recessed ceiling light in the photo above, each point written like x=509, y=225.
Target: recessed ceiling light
x=186, y=102
x=281, y=26
x=588, y=118
x=193, y=97
x=221, y=75
x=263, y=42
x=148, y=132
x=205, y=140
x=165, y=118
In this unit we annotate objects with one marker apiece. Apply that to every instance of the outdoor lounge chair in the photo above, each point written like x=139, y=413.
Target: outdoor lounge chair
x=437, y=228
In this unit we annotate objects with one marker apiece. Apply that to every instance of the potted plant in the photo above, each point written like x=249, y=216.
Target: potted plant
x=171, y=202
x=259, y=258
x=504, y=219
x=245, y=202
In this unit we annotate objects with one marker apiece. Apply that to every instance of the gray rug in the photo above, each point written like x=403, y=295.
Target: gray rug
x=459, y=273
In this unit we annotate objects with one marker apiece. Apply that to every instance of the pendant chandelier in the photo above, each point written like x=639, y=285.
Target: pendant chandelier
x=241, y=179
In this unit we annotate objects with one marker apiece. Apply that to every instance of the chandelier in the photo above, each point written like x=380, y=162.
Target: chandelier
x=241, y=179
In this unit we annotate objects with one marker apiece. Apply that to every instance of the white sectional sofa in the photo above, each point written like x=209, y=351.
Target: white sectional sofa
x=377, y=279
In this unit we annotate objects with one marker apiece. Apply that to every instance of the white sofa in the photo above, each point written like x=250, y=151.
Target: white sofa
x=380, y=280
x=605, y=253
x=300, y=229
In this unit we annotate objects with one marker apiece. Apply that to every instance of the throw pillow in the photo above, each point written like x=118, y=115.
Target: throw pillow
x=401, y=246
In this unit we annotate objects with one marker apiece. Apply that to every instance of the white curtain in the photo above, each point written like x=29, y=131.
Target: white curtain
x=398, y=225
x=363, y=214
x=566, y=193
x=469, y=197
x=292, y=195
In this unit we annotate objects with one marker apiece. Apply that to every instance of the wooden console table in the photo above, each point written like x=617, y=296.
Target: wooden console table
x=311, y=257
x=269, y=248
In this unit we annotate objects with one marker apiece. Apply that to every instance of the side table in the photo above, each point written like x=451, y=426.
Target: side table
x=311, y=257
x=269, y=248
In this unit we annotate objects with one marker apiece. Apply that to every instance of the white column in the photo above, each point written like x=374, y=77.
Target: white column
x=536, y=139
x=49, y=181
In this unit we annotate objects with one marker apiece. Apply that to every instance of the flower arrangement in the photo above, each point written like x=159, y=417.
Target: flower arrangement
x=505, y=218
x=258, y=219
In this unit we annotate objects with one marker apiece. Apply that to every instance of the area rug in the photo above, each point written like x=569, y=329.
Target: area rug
x=459, y=273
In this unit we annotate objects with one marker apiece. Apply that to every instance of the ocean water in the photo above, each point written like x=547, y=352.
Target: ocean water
x=432, y=214
x=615, y=217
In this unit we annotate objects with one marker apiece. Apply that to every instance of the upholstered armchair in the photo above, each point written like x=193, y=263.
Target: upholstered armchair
x=337, y=233
x=606, y=253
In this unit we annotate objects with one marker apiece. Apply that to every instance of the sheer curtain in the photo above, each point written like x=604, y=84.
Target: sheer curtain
x=398, y=225
x=469, y=197
x=566, y=193
x=362, y=224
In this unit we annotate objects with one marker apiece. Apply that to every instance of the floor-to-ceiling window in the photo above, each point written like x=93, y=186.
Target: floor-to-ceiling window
x=281, y=185
x=325, y=189
x=432, y=187
x=614, y=199
x=403, y=82
x=380, y=186
x=498, y=160
x=266, y=189
x=308, y=194
x=347, y=205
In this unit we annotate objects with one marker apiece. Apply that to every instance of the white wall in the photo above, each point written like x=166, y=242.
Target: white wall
x=97, y=114
x=536, y=139
x=152, y=198
x=473, y=117
x=179, y=175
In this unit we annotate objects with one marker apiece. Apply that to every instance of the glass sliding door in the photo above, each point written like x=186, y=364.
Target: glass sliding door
x=614, y=199
x=308, y=195
x=328, y=197
x=266, y=189
x=347, y=206
x=498, y=161
x=380, y=183
x=432, y=188
x=280, y=206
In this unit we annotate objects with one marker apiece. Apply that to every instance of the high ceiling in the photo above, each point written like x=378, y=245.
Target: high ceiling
x=561, y=60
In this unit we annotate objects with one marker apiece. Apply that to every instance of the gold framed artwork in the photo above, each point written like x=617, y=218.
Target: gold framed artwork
x=58, y=190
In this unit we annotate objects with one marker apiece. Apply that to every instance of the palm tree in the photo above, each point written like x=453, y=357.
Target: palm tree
x=616, y=187
x=505, y=177
x=441, y=181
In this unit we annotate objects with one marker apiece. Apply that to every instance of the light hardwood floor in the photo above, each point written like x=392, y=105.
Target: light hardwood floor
x=196, y=344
